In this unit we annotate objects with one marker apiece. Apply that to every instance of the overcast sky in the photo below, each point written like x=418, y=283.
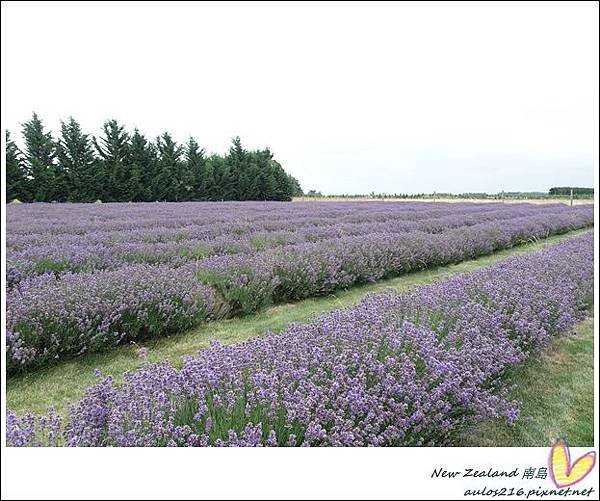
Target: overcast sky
x=351, y=99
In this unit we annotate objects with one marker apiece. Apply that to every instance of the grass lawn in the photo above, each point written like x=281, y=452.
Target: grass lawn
x=66, y=382
x=557, y=391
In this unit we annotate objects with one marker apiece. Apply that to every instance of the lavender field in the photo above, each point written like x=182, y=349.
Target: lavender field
x=85, y=277
x=394, y=370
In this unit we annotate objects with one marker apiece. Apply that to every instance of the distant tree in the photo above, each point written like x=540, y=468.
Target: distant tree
x=16, y=180
x=566, y=190
x=39, y=154
x=262, y=182
x=142, y=165
x=234, y=183
x=113, y=149
x=121, y=167
x=283, y=189
x=216, y=172
x=211, y=184
x=253, y=175
x=295, y=185
x=196, y=173
x=78, y=164
x=169, y=176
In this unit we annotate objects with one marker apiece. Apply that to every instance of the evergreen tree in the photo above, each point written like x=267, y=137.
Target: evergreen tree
x=234, y=182
x=210, y=186
x=113, y=149
x=16, y=181
x=283, y=188
x=169, y=177
x=131, y=168
x=40, y=151
x=258, y=184
x=215, y=178
x=60, y=184
x=295, y=186
x=142, y=163
x=196, y=170
x=186, y=171
x=77, y=161
x=250, y=181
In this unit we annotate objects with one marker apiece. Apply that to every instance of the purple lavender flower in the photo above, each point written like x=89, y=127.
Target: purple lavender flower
x=409, y=370
x=87, y=278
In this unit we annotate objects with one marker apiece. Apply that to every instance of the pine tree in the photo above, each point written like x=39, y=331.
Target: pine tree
x=113, y=149
x=16, y=181
x=130, y=168
x=169, y=177
x=77, y=161
x=209, y=184
x=281, y=187
x=265, y=180
x=142, y=164
x=189, y=164
x=215, y=178
x=295, y=186
x=234, y=183
x=40, y=151
x=251, y=175
x=196, y=170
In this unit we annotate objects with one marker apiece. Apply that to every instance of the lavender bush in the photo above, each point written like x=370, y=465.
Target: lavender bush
x=82, y=278
x=49, y=318
x=393, y=370
x=248, y=281
x=75, y=238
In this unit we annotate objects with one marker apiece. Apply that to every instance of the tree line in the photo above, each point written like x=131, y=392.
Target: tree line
x=120, y=166
x=579, y=193
x=566, y=190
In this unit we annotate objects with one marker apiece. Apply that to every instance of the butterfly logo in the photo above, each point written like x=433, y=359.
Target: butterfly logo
x=563, y=471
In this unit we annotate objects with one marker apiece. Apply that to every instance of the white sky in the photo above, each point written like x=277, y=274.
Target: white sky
x=350, y=98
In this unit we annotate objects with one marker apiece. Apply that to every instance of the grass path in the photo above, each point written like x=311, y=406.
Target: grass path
x=557, y=391
x=66, y=382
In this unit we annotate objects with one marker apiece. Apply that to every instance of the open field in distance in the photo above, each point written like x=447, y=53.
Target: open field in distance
x=565, y=201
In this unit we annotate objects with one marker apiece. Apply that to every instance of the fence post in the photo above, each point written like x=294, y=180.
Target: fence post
x=571, y=197
x=502, y=196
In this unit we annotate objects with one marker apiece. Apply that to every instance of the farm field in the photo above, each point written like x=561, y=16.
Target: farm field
x=83, y=278
x=393, y=370
x=87, y=281
x=65, y=382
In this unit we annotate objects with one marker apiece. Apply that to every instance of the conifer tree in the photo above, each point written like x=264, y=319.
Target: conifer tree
x=16, y=181
x=216, y=173
x=295, y=186
x=119, y=167
x=196, y=169
x=142, y=163
x=77, y=161
x=113, y=149
x=169, y=179
x=233, y=180
x=210, y=188
x=186, y=171
x=39, y=154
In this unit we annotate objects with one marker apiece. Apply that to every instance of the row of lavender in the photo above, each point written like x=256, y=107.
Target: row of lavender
x=67, y=241
x=82, y=219
x=50, y=317
x=393, y=370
